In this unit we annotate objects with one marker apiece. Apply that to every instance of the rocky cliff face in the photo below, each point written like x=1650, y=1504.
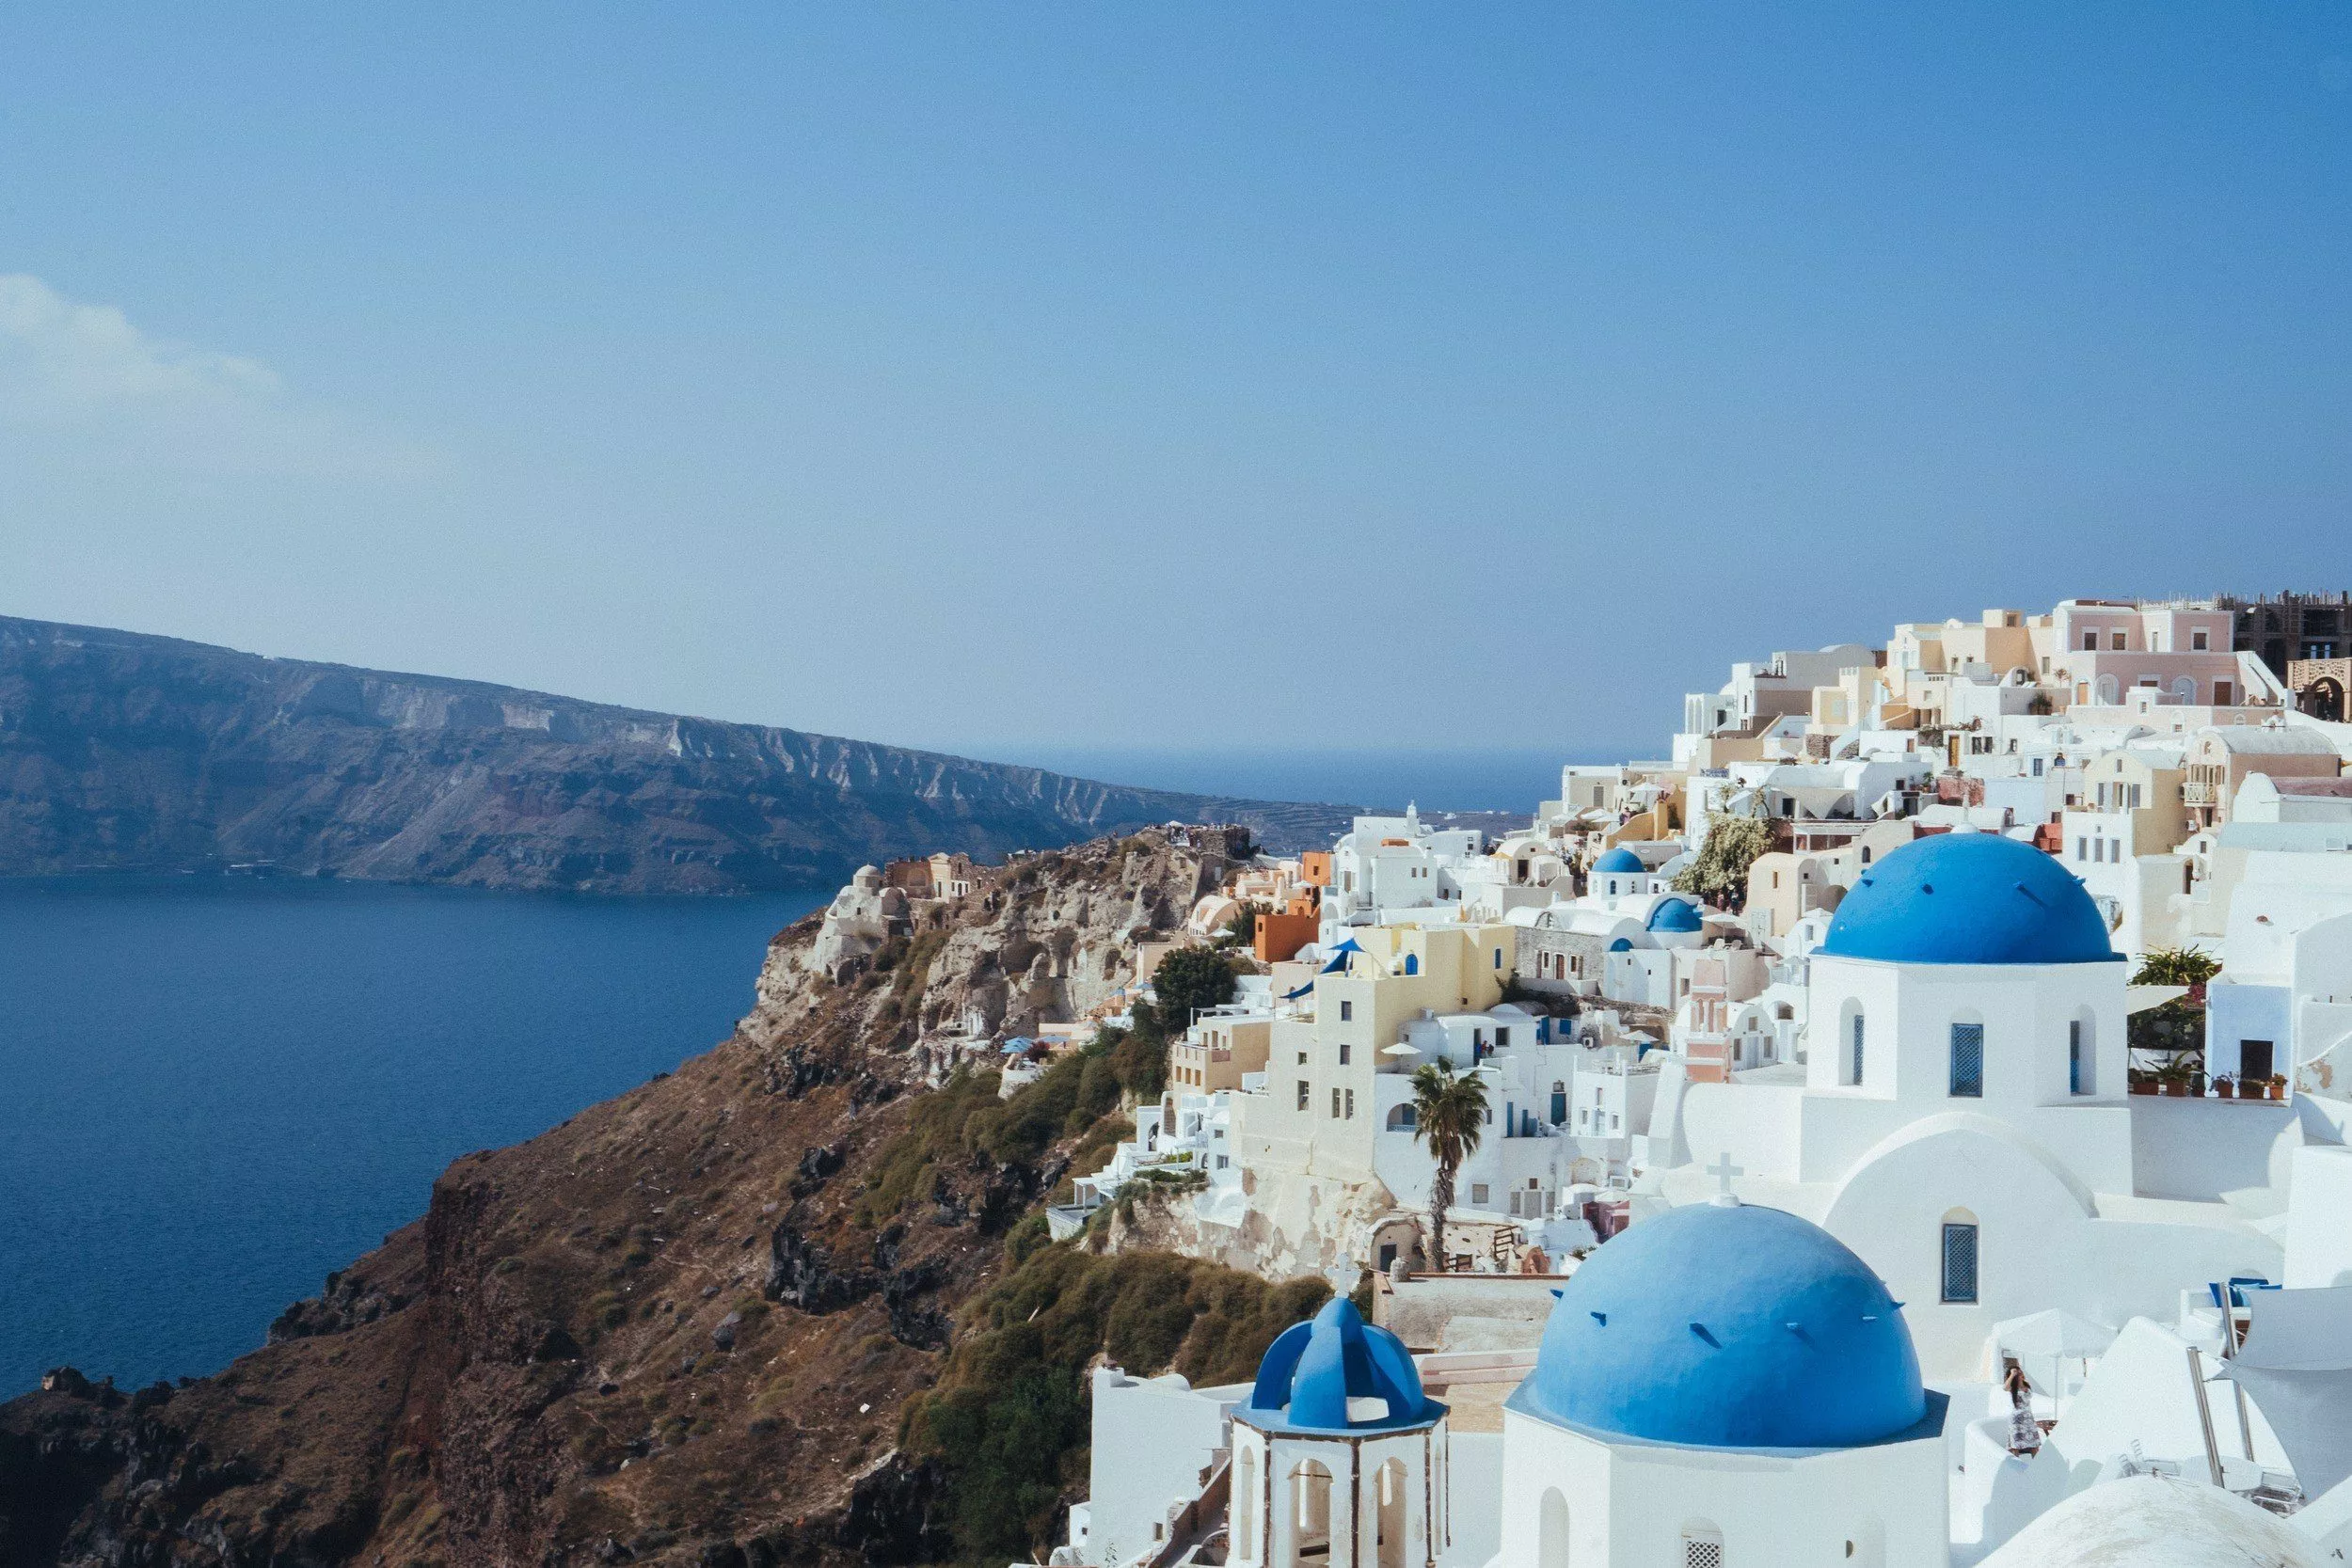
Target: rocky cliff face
x=124, y=752
x=677, y=1328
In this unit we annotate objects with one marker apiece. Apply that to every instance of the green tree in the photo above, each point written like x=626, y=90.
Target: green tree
x=1189, y=979
x=1241, y=928
x=1450, y=1115
x=1720, y=872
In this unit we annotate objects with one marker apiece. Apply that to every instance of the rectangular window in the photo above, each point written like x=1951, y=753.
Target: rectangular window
x=2037, y=768
x=2199, y=642
x=1335, y=1105
x=1857, y=1063
x=1498, y=958
x=1343, y=1048
x=1478, y=1195
x=1347, y=1012
x=2114, y=641
x=1302, y=1094
x=1968, y=1060
x=2222, y=694
x=2074, y=1056
x=2091, y=641
x=2082, y=848
x=2255, y=1059
x=1351, y=1104
x=1960, y=1264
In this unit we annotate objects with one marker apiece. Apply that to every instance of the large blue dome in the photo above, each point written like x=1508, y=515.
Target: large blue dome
x=1313, y=1369
x=1968, y=898
x=1730, y=1326
x=1676, y=915
x=1619, y=860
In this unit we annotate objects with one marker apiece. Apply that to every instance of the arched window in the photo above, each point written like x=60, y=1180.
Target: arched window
x=2082, y=1039
x=2185, y=690
x=1310, y=1513
x=2110, y=691
x=1389, y=1514
x=1967, y=1058
x=1701, y=1545
x=1960, y=1258
x=1412, y=964
x=1552, y=1530
x=1245, y=1502
x=1402, y=1119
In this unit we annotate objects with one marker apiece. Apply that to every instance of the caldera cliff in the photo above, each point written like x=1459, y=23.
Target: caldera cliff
x=790, y=1303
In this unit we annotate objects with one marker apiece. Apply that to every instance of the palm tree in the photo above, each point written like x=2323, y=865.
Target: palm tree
x=1450, y=1115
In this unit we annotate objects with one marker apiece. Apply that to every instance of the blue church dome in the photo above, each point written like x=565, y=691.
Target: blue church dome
x=1968, y=898
x=1313, y=1369
x=1730, y=1326
x=1674, y=915
x=1619, y=860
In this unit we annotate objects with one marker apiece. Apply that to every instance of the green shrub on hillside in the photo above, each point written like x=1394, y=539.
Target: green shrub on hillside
x=1009, y=1418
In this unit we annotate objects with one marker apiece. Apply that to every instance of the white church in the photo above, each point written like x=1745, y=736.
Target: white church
x=1961, y=1119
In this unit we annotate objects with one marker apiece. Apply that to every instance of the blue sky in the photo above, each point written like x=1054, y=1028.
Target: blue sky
x=1012, y=378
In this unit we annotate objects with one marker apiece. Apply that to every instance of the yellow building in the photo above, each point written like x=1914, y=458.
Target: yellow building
x=1318, y=1109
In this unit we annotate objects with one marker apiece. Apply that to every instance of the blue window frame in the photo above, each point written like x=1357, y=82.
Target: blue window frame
x=1968, y=1060
x=1960, y=1264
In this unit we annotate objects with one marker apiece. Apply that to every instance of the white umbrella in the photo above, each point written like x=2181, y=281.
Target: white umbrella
x=1400, y=1049
x=2053, y=1332
x=2049, y=1338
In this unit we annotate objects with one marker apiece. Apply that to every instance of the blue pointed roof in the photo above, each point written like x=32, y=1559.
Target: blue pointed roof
x=1618, y=861
x=1313, y=1369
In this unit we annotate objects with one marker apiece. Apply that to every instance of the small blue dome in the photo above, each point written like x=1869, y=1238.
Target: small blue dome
x=1727, y=1327
x=1313, y=1369
x=1619, y=860
x=1675, y=915
x=1968, y=898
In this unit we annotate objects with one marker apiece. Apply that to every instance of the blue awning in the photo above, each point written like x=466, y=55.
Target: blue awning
x=1295, y=995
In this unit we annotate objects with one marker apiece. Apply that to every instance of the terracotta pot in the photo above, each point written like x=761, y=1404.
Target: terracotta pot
x=2142, y=1089
x=2277, y=1091
x=2225, y=1091
x=2176, y=1091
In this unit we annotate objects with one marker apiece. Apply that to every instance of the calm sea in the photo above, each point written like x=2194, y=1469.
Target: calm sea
x=213, y=1092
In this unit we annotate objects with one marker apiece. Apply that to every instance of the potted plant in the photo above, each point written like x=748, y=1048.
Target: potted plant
x=2140, y=1082
x=2278, y=1085
x=2174, y=1079
x=2224, y=1087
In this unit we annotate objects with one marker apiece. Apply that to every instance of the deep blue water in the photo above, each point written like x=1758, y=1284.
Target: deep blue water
x=1490, y=780
x=214, y=1090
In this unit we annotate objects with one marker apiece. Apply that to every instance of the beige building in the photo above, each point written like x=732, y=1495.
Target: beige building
x=1215, y=1051
x=1784, y=886
x=1320, y=1107
x=2221, y=758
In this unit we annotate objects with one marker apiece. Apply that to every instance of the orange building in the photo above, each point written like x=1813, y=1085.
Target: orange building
x=1314, y=869
x=1279, y=936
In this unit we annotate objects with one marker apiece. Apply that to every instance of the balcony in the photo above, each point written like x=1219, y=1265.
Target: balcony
x=2197, y=793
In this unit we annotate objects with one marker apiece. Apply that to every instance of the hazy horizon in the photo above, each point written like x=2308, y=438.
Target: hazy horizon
x=1051, y=380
